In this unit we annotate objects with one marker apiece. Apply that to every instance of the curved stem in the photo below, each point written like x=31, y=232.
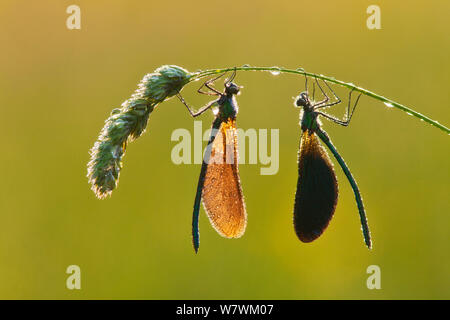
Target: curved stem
x=300, y=71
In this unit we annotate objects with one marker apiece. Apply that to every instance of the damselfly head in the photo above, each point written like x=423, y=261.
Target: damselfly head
x=231, y=88
x=302, y=100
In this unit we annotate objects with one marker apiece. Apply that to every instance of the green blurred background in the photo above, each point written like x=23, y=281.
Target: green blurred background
x=59, y=85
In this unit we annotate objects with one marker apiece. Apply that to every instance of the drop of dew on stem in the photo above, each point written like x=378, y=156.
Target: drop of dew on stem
x=275, y=71
x=246, y=66
x=388, y=104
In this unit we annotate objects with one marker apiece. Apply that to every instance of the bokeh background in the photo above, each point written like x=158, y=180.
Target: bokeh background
x=59, y=85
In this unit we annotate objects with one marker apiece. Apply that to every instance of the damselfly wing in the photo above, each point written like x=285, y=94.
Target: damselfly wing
x=317, y=189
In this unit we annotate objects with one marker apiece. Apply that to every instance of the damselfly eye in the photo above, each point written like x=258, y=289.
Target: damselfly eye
x=302, y=100
x=232, y=88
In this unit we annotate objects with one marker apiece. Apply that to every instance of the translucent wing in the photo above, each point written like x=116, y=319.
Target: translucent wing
x=222, y=195
x=317, y=189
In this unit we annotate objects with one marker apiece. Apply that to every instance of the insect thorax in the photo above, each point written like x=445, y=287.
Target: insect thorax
x=228, y=107
x=308, y=120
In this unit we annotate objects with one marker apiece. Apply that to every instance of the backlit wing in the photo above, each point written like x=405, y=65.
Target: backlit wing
x=222, y=195
x=317, y=189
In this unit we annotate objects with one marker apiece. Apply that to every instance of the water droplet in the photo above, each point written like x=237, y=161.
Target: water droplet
x=300, y=69
x=388, y=104
x=409, y=113
x=246, y=66
x=275, y=71
x=215, y=111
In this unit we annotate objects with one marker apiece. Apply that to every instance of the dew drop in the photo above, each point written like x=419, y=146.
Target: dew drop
x=275, y=71
x=409, y=113
x=246, y=66
x=388, y=104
